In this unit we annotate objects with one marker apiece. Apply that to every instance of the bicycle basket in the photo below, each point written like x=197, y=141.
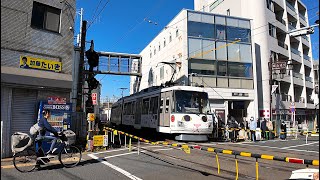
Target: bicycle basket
x=69, y=136
x=20, y=141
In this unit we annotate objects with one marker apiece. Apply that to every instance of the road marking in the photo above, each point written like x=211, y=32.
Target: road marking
x=135, y=153
x=122, y=171
x=122, y=149
x=271, y=147
x=299, y=145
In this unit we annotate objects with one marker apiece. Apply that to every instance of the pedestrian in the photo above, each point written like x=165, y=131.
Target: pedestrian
x=270, y=128
x=283, y=134
x=253, y=126
x=264, y=128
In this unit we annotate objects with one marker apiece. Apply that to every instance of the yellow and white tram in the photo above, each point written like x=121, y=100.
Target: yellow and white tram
x=180, y=110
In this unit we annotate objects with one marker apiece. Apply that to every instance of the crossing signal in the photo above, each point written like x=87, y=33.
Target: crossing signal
x=92, y=56
x=92, y=83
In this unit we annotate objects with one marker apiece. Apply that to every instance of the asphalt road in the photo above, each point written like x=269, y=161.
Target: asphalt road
x=159, y=162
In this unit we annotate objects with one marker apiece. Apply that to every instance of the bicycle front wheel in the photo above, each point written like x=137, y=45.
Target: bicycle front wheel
x=70, y=156
x=25, y=161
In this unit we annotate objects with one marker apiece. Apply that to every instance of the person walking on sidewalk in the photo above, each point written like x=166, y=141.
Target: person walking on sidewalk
x=264, y=129
x=253, y=127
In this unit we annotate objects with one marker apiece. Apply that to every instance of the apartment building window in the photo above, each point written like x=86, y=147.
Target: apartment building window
x=45, y=17
x=177, y=33
x=161, y=73
x=236, y=69
x=272, y=30
x=170, y=38
x=198, y=29
x=269, y=4
x=164, y=43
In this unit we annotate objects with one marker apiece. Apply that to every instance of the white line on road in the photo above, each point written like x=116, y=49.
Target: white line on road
x=299, y=145
x=271, y=147
x=135, y=153
x=124, y=172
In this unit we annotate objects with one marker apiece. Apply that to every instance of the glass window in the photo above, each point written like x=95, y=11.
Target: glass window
x=222, y=68
x=220, y=32
x=234, y=52
x=198, y=29
x=244, y=24
x=235, y=33
x=191, y=102
x=208, y=49
x=220, y=20
x=232, y=22
x=45, y=17
x=170, y=38
x=194, y=17
x=164, y=43
x=206, y=18
x=221, y=51
x=245, y=53
x=272, y=30
x=236, y=69
x=161, y=72
x=177, y=33
x=145, y=106
x=194, y=47
x=203, y=67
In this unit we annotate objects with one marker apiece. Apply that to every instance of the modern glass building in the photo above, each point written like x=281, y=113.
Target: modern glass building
x=204, y=49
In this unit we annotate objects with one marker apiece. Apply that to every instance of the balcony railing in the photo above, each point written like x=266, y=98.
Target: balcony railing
x=286, y=97
x=291, y=27
x=282, y=44
x=302, y=17
x=281, y=20
x=297, y=75
x=296, y=51
x=290, y=6
x=306, y=57
x=310, y=79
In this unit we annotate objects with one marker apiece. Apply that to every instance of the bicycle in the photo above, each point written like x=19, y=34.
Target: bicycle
x=68, y=155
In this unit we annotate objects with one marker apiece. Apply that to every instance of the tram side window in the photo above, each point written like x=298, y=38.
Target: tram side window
x=154, y=105
x=129, y=111
x=125, y=111
x=145, y=106
x=167, y=104
x=161, y=105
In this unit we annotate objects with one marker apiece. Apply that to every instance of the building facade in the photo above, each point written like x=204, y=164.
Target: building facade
x=271, y=22
x=36, y=60
x=207, y=50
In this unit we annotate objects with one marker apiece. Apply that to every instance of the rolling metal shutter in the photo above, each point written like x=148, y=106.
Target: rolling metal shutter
x=23, y=110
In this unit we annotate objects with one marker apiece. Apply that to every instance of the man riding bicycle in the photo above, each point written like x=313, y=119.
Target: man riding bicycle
x=44, y=127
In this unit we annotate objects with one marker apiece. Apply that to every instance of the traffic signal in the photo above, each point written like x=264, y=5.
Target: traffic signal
x=92, y=83
x=93, y=58
x=89, y=104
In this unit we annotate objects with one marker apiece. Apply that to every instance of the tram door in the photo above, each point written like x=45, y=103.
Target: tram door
x=165, y=110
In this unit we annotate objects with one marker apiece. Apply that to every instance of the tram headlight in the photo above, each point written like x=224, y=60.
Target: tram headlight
x=204, y=118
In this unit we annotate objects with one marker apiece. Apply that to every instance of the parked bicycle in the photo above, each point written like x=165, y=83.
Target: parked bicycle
x=27, y=158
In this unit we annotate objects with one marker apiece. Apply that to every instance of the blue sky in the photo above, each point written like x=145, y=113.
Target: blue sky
x=120, y=26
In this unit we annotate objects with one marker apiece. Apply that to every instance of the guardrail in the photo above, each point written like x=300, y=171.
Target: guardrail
x=187, y=148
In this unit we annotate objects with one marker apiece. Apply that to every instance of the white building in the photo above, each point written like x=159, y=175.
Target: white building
x=207, y=50
x=271, y=20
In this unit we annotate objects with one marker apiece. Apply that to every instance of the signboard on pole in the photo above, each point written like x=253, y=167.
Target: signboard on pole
x=274, y=87
x=94, y=98
x=279, y=65
x=292, y=107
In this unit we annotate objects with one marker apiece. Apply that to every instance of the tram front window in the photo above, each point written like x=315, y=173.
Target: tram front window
x=191, y=102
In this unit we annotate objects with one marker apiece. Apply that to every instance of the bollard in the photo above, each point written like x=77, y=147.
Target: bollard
x=257, y=169
x=130, y=148
x=120, y=139
x=125, y=140
x=138, y=147
x=217, y=159
x=307, y=138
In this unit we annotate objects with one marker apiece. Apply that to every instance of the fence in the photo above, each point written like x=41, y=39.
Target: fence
x=187, y=148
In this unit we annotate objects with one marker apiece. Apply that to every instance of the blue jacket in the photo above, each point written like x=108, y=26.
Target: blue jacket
x=45, y=126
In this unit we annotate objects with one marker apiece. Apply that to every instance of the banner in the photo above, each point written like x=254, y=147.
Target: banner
x=28, y=62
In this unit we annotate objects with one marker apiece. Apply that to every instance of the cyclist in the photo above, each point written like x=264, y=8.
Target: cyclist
x=44, y=127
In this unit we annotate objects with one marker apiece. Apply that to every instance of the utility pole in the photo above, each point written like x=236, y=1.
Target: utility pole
x=79, y=106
